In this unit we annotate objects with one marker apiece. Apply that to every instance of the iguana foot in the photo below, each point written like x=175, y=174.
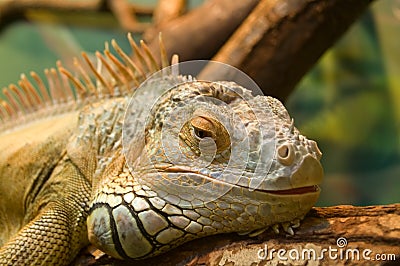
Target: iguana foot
x=287, y=227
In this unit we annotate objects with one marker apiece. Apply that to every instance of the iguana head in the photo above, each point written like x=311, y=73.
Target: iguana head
x=213, y=159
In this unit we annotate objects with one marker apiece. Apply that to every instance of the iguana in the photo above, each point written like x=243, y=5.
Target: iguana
x=76, y=166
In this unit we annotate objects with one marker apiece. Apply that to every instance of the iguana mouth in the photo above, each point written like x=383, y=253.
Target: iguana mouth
x=291, y=191
x=294, y=191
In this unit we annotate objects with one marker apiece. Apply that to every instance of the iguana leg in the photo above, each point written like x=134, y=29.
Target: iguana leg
x=58, y=231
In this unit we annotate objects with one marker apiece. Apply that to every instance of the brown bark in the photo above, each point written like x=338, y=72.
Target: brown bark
x=126, y=17
x=375, y=228
x=200, y=33
x=282, y=39
x=168, y=10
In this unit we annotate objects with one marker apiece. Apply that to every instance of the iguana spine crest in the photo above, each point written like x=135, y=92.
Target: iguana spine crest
x=55, y=95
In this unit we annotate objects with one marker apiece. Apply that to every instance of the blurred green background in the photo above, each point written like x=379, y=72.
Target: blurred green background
x=349, y=102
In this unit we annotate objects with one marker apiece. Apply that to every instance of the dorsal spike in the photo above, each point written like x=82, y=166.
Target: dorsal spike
x=85, y=76
x=121, y=68
x=175, y=59
x=103, y=74
x=42, y=88
x=29, y=102
x=7, y=109
x=3, y=111
x=51, y=86
x=60, y=93
x=81, y=89
x=98, y=76
x=174, y=65
x=291, y=127
x=139, y=55
x=10, y=99
x=151, y=62
x=163, y=52
x=110, y=70
x=132, y=66
x=20, y=97
x=31, y=91
x=64, y=82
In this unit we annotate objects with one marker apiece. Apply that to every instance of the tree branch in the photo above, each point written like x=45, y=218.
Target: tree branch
x=201, y=32
x=375, y=227
x=281, y=40
x=168, y=10
x=125, y=14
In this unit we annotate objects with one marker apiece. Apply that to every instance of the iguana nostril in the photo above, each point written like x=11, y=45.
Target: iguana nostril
x=286, y=154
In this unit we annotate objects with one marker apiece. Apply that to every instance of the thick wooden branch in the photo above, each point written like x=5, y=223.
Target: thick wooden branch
x=282, y=39
x=125, y=14
x=200, y=33
x=168, y=10
x=368, y=231
x=277, y=43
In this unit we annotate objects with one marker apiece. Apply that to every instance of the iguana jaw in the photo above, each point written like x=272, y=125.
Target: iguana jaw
x=291, y=191
x=153, y=203
x=295, y=191
x=305, y=179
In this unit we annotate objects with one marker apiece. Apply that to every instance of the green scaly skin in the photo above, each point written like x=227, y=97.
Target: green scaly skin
x=69, y=181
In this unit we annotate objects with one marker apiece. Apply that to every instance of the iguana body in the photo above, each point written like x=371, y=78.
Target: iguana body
x=62, y=160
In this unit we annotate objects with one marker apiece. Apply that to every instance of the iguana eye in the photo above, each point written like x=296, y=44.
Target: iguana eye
x=204, y=127
x=201, y=134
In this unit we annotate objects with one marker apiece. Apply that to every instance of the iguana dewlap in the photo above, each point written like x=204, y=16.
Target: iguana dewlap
x=138, y=176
